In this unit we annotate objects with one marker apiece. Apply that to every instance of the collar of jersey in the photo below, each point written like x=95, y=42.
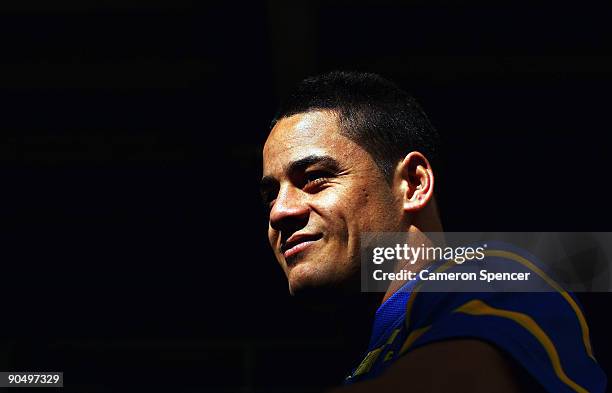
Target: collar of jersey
x=390, y=314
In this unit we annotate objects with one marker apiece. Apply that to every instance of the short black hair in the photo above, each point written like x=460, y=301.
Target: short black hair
x=372, y=111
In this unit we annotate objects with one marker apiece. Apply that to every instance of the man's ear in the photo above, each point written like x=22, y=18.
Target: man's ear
x=416, y=182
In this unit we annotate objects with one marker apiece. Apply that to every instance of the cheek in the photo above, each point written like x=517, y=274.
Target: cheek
x=331, y=207
x=374, y=211
x=345, y=211
x=355, y=209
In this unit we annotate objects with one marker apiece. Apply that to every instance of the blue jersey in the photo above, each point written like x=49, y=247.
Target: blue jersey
x=544, y=332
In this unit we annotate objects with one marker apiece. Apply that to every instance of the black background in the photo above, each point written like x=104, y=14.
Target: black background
x=134, y=244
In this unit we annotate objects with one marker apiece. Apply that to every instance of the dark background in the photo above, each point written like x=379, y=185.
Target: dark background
x=134, y=244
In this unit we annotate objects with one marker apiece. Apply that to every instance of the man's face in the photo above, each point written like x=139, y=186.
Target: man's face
x=323, y=190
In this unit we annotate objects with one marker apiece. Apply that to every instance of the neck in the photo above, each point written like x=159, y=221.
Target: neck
x=418, y=234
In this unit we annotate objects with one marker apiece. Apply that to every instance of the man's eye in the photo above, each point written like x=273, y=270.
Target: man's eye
x=315, y=178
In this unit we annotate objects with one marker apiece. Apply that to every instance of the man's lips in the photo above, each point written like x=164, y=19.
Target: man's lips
x=298, y=243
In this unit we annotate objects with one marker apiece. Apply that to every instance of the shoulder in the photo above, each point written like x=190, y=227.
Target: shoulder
x=544, y=333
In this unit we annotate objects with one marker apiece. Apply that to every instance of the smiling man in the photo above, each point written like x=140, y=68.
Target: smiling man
x=322, y=189
x=351, y=153
x=329, y=176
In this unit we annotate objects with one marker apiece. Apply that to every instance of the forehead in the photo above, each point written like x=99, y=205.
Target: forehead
x=305, y=134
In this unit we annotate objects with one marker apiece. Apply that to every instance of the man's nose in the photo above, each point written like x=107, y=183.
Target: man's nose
x=290, y=210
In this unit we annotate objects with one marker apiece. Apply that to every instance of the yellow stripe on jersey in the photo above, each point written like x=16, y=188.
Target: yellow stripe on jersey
x=392, y=337
x=581, y=320
x=368, y=362
x=523, y=261
x=412, y=337
x=480, y=308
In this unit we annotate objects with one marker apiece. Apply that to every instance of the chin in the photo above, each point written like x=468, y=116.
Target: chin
x=318, y=288
x=304, y=278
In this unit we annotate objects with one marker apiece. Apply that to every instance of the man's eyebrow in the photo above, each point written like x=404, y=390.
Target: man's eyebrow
x=303, y=163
